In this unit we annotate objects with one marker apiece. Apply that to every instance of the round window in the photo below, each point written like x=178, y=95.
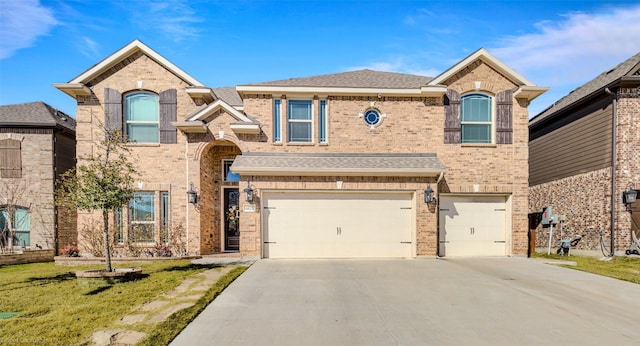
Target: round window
x=372, y=117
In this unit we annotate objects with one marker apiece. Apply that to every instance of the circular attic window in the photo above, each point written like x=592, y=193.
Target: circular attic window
x=372, y=117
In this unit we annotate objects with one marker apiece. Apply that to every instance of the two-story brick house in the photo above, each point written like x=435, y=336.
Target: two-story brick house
x=37, y=145
x=354, y=164
x=584, y=153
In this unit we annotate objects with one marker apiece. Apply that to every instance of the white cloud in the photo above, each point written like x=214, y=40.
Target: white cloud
x=398, y=64
x=22, y=23
x=174, y=18
x=89, y=48
x=568, y=53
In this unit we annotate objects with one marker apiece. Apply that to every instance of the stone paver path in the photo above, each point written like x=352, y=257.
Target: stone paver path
x=158, y=310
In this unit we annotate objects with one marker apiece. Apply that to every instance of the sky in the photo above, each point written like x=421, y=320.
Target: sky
x=556, y=44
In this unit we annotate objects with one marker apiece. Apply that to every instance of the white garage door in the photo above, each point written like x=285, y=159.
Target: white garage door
x=337, y=225
x=472, y=226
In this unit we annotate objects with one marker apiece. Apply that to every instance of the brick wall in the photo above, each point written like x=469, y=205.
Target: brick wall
x=413, y=125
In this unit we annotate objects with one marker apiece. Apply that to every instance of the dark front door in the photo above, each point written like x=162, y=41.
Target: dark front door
x=231, y=219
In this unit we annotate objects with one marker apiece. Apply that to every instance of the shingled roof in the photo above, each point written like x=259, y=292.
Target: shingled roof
x=382, y=164
x=228, y=95
x=35, y=114
x=590, y=87
x=355, y=79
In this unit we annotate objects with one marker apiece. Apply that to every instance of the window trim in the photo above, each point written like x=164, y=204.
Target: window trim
x=491, y=122
x=26, y=231
x=127, y=122
x=323, y=122
x=277, y=120
x=310, y=121
x=152, y=222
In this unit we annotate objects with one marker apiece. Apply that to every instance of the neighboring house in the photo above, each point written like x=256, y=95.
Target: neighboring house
x=37, y=145
x=328, y=166
x=575, y=145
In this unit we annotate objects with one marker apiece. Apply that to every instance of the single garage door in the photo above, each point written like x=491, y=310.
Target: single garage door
x=337, y=225
x=472, y=226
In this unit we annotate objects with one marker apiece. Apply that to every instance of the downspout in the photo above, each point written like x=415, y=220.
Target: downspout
x=186, y=163
x=614, y=142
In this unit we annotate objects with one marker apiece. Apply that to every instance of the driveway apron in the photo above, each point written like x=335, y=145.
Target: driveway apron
x=490, y=301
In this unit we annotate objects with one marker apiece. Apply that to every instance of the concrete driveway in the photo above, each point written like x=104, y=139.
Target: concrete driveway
x=506, y=301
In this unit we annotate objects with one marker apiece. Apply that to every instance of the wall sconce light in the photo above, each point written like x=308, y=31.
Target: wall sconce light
x=192, y=195
x=428, y=195
x=249, y=191
x=629, y=196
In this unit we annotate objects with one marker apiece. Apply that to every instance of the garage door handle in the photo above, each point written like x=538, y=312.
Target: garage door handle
x=269, y=242
x=338, y=230
x=443, y=241
x=499, y=241
x=405, y=242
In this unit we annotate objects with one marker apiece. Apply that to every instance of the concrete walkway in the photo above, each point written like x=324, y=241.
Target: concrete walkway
x=416, y=302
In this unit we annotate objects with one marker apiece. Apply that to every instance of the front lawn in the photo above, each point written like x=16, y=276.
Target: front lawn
x=622, y=268
x=55, y=308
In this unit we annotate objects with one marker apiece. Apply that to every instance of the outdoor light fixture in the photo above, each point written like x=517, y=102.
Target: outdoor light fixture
x=192, y=195
x=629, y=196
x=428, y=195
x=249, y=191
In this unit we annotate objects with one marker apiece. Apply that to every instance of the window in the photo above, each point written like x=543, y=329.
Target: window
x=476, y=118
x=10, y=158
x=21, y=226
x=276, y=120
x=322, y=121
x=372, y=117
x=142, y=114
x=142, y=217
x=164, y=216
x=119, y=224
x=299, y=117
x=227, y=174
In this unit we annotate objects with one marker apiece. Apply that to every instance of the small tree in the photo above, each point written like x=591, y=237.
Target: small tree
x=103, y=182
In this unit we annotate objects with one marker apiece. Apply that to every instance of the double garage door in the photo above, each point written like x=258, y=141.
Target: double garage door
x=337, y=225
x=473, y=226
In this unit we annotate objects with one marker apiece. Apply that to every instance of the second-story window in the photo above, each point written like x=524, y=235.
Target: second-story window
x=476, y=119
x=141, y=115
x=299, y=121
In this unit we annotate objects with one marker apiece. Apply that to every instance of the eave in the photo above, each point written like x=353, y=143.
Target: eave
x=190, y=126
x=529, y=92
x=73, y=89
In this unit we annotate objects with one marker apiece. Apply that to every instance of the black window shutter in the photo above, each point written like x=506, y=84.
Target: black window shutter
x=504, y=117
x=113, y=110
x=168, y=113
x=451, y=117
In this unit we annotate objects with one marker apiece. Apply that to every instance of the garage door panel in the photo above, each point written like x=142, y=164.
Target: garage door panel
x=472, y=226
x=337, y=225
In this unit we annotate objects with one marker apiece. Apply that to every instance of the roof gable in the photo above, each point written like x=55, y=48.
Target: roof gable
x=126, y=52
x=486, y=57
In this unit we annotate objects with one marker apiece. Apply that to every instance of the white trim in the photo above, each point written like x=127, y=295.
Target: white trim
x=73, y=89
x=487, y=58
x=492, y=122
x=431, y=91
x=207, y=111
x=302, y=121
x=246, y=128
x=529, y=92
x=125, y=52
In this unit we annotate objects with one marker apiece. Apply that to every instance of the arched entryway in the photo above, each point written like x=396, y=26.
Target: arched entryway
x=219, y=199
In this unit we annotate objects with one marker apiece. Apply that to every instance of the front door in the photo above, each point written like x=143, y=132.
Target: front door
x=231, y=219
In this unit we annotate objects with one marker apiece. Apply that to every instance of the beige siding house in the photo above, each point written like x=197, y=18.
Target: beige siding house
x=584, y=153
x=37, y=145
x=349, y=165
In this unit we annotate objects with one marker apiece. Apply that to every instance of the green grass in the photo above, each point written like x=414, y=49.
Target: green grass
x=622, y=268
x=55, y=308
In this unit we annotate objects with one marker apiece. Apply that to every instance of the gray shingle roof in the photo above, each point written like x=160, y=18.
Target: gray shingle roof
x=35, y=114
x=228, y=95
x=355, y=79
x=599, y=82
x=338, y=164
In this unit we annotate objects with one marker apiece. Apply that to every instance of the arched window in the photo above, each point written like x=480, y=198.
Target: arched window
x=141, y=115
x=476, y=118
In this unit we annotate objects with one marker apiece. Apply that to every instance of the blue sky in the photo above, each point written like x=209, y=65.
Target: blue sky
x=559, y=44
